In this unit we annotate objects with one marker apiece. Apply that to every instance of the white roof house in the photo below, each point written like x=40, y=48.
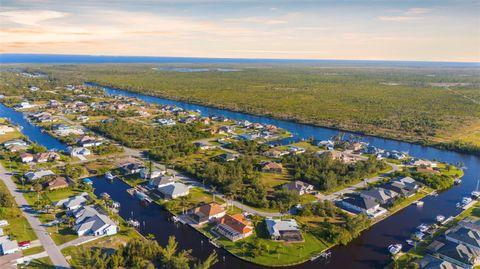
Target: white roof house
x=38, y=174
x=91, y=222
x=283, y=229
x=8, y=246
x=79, y=151
x=74, y=202
x=172, y=191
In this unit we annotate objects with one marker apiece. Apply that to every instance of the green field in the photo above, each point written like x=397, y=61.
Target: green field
x=396, y=102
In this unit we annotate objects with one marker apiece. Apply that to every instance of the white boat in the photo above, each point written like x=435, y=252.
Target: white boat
x=458, y=205
x=134, y=223
x=419, y=235
x=476, y=193
x=466, y=200
x=457, y=181
x=440, y=218
x=410, y=242
x=423, y=227
x=395, y=248
x=109, y=176
x=419, y=203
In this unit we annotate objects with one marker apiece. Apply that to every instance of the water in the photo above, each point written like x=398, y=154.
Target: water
x=99, y=59
x=367, y=251
x=32, y=131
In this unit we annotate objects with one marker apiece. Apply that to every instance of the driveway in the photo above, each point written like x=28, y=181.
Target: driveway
x=46, y=241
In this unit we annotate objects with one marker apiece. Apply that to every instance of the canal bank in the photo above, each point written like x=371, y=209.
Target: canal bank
x=367, y=251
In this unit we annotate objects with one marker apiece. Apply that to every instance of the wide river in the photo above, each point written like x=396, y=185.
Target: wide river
x=366, y=251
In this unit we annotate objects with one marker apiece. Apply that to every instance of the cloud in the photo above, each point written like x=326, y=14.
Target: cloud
x=32, y=17
x=408, y=15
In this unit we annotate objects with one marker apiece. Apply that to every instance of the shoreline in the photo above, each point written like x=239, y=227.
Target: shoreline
x=437, y=145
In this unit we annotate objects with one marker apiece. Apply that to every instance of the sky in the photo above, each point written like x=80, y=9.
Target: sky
x=349, y=30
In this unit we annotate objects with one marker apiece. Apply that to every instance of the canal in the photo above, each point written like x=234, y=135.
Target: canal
x=366, y=251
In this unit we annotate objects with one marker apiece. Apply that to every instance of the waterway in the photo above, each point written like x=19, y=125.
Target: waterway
x=366, y=251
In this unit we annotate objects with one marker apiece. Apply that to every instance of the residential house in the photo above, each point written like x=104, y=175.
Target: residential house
x=406, y=186
x=226, y=129
x=430, y=262
x=6, y=129
x=32, y=176
x=207, y=213
x=234, y=227
x=359, y=204
x=299, y=187
x=296, y=150
x=380, y=195
x=89, y=141
x=457, y=254
x=16, y=148
x=464, y=234
x=423, y=163
x=15, y=142
x=272, y=167
x=275, y=153
x=284, y=230
x=145, y=173
x=26, y=157
x=8, y=246
x=328, y=144
x=161, y=181
x=24, y=105
x=244, y=123
x=228, y=157
x=76, y=152
x=173, y=191
x=56, y=183
x=49, y=156
x=204, y=145
x=88, y=221
x=74, y=202
x=131, y=168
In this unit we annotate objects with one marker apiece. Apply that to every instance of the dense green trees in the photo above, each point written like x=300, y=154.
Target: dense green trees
x=163, y=143
x=141, y=253
x=326, y=173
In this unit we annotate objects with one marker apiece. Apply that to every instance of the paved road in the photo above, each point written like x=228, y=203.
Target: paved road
x=353, y=188
x=53, y=251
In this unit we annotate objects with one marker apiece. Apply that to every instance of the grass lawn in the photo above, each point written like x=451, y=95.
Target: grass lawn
x=65, y=234
x=196, y=197
x=452, y=172
x=278, y=253
x=54, y=196
x=42, y=263
x=10, y=136
x=307, y=146
x=272, y=180
x=34, y=250
x=18, y=228
x=408, y=201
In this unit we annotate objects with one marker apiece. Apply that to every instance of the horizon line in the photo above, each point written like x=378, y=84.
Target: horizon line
x=229, y=58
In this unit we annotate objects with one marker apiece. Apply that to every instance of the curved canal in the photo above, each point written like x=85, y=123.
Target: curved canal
x=366, y=251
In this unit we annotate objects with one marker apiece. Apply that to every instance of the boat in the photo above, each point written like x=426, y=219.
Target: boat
x=457, y=181
x=458, y=205
x=394, y=248
x=109, y=176
x=440, y=218
x=423, y=227
x=419, y=235
x=410, y=242
x=133, y=223
x=476, y=193
x=105, y=195
x=419, y=203
x=466, y=200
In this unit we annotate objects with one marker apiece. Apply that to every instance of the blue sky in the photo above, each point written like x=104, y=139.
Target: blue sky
x=361, y=30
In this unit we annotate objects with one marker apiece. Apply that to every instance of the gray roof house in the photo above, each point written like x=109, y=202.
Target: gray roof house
x=172, y=191
x=299, y=187
x=161, y=181
x=74, y=202
x=359, y=204
x=38, y=174
x=458, y=254
x=286, y=230
x=462, y=235
x=91, y=222
x=380, y=195
x=430, y=262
